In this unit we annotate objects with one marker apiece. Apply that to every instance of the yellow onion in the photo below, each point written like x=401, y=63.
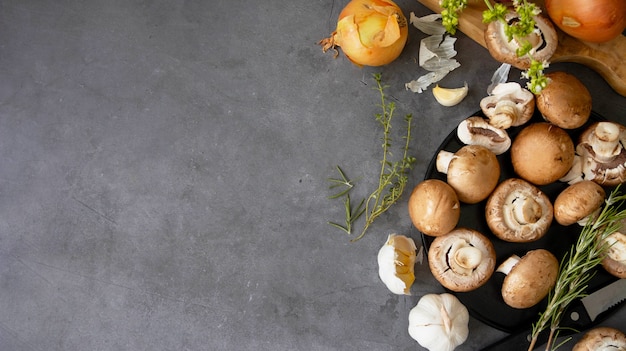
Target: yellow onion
x=370, y=32
x=596, y=21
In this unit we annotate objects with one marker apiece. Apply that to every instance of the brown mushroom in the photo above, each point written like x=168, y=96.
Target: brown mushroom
x=434, y=207
x=508, y=105
x=602, y=153
x=544, y=41
x=601, y=338
x=462, y=260
x=528, y=279
x=473, y=172
x=517, y=211
x=614, y=261
x=565, y=101
x=476, y=130
x=542, y=153
x=578, y=202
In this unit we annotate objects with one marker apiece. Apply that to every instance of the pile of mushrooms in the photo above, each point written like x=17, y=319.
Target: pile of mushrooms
x=516, y=209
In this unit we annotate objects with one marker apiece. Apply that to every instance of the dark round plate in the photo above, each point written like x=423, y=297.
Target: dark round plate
x=486, y=303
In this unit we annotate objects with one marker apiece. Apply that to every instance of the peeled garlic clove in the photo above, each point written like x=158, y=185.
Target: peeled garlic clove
x=396, y=263
x=450, y=96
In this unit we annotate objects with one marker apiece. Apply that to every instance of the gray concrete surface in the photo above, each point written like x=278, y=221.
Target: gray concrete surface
x=163, y=171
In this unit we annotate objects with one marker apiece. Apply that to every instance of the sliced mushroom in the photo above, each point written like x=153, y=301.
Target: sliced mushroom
x=434, y=207
x=578, y=203
x=602, y=153
x=542, y=153
x=615, y=260
x=528, y=279
x=543, y=39
x=473, y=172
x=602, y=338
x=517, y=211
x=462, y=260
x=565, y=102
x=508, y=105
x=476, y=130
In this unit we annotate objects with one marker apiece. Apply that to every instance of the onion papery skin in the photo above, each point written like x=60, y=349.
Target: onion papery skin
x=595, y=21
x=370, y=32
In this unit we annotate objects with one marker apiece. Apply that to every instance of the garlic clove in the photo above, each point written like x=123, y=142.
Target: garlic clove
x=396, y=263
x=450, y=96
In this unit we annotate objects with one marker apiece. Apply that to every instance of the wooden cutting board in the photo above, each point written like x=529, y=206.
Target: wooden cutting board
x=605, y=58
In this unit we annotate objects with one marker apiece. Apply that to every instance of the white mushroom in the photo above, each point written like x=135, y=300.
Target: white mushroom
x=396, y=263
x=508, y=105
x=439, y=322
x=517, y=211
x=473, y=172
x=602, y=338
x=529, y=278
x=476, y=130
x=602, y=154
x=462, y=260
x=543, y=39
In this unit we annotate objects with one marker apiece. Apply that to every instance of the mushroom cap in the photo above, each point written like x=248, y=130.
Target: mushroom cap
x=614, y=261
x=434, y=207
x=462, y=260
x=473, y=173
x=504, y=51
x=565, y=101
x=476, y=130
x=602, y=152
x=530, y=279
x=578, y=201
x=518, y=211
x=542, y=153
x=601, y=338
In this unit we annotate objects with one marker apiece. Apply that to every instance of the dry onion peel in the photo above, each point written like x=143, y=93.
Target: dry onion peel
x=369, y=32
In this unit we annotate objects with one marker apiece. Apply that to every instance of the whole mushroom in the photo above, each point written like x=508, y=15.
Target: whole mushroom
x=518, y=211
x=462, y=260
x=473, y=172
x=578, y=203
x=542, y=153
x=602, y=338
x=434, y=207
x=529, y=278
x=543, y=39
x=602, y=154
x=508, y=105
x=565, y=101
x=614, y=261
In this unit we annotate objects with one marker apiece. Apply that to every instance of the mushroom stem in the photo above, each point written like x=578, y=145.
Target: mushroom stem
x=520, y=211
x=606, y=145
x=468, y=257
x=506, y=114
x=508, y=264
x=443, y=161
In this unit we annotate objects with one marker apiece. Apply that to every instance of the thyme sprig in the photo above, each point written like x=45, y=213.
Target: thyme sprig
x=576, y=267
x=518, y=30
x=393, y=175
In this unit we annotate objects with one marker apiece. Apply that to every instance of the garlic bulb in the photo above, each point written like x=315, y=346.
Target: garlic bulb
x=439, y=322
x=396, y=263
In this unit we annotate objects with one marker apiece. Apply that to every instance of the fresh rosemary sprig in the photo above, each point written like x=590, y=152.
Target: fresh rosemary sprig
x=576, y=267
x=393, y=175
x=518, y=31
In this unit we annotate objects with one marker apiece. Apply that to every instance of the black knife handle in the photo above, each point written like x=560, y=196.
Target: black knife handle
x=575, y=318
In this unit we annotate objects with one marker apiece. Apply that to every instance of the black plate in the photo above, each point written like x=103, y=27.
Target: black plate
x=486, y=303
